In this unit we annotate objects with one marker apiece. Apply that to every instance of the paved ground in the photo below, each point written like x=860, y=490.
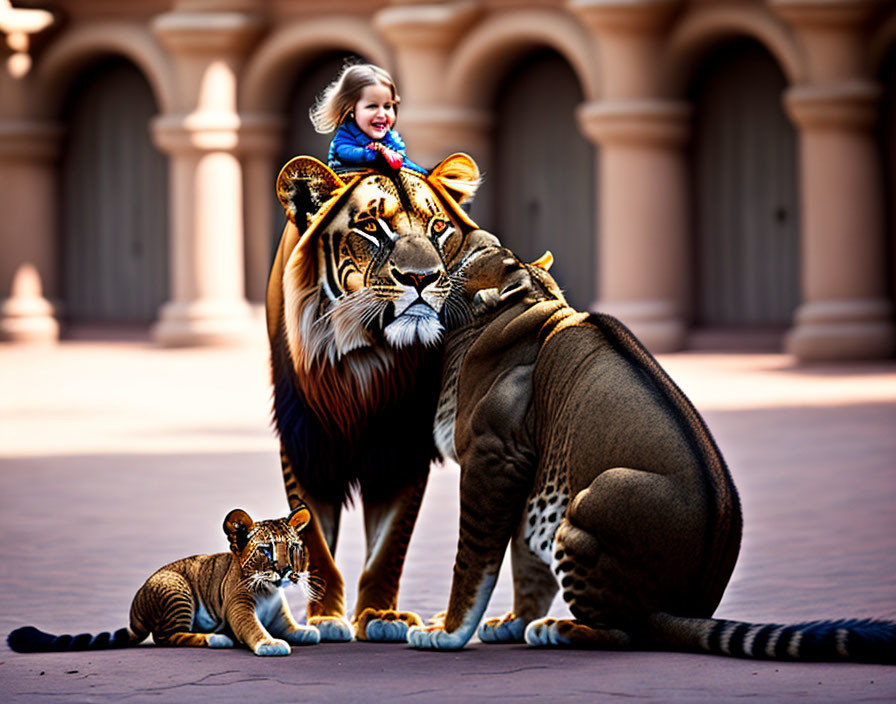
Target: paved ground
x=116, y=458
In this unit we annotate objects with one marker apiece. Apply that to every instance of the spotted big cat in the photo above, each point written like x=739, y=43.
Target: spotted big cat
x=357, y=303
x=215, y=600
x=580, y=453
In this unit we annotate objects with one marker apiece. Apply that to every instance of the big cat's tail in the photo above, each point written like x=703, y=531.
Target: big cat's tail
x=853, y=640
x=29, y=639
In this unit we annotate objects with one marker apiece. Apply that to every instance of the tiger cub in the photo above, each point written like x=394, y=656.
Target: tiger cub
x=208, y=600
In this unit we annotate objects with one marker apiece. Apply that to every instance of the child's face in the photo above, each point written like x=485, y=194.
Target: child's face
x=375, y=111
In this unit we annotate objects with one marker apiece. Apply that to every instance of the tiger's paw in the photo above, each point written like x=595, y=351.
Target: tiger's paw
x=385, y=625
x=546, y=632
x=506, y=629
x=553, y=632
x=218, y=640
x=435, y=638
x=303, y=635
x=332, y=629
x=274, y=646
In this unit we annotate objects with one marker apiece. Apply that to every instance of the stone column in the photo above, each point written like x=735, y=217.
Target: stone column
x=28, y=199
x=643, y=253
x=261, y=138
x=200, y=135
x=643, y=258
x=846, y=312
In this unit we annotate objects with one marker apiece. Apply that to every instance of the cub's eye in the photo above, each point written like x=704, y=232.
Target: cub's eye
x=369, y=226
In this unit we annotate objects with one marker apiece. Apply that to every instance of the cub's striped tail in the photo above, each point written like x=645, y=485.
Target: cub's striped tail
x=854, y=640
x=29, y=639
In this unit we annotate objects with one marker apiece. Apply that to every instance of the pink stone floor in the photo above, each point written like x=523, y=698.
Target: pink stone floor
x=117, y=457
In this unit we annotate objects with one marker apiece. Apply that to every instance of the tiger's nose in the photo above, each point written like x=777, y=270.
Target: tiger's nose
x=418, y=280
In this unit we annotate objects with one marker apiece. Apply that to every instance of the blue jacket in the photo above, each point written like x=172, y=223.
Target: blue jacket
x=349, y=150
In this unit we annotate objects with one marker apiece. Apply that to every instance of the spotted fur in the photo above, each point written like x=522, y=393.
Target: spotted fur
x=358, y=298
x=212, y=600
x=577, y=449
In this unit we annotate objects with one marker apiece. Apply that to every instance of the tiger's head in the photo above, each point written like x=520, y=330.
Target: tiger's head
x=361, y=280
x=270, y=552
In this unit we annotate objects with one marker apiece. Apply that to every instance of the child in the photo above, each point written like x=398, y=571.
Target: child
x=362, y=106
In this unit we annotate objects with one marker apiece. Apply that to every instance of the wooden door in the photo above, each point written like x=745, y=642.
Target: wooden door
x=745, y=192
x=544, y=183
x=114, y=200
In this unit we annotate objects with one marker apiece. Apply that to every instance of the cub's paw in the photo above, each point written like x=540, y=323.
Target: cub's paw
x=332, y=629
x=272, y=647
x=507, y=629
x=435, y=638
x=385, y=625
x=545, y=632
x=218, y=640
x=303, y=635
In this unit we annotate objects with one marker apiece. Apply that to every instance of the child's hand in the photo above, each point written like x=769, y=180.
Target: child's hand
x=393, y=158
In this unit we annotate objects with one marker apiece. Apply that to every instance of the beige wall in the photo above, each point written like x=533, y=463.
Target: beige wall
x=221, y=72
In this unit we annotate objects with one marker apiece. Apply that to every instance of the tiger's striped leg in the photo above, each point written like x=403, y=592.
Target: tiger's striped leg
x=534, y=588
x=164, y=607
x=328, y=613
x=388, y=526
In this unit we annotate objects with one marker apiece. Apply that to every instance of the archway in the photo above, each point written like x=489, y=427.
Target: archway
x=745, y=193
x=300, y=137
x=543, y=183
x=114, y=198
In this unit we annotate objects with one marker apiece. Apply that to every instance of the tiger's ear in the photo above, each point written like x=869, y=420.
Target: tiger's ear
x=303, y=186
x=237, y=525
x=459, y=175
x=300, y=517
x=545, y=261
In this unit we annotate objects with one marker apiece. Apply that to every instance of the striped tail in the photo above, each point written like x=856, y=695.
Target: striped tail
x=854, y=640
x=29, y=639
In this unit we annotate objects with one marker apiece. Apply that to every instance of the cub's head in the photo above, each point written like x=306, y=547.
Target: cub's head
x=371, y=266
x=270, y=552
x=492, y=277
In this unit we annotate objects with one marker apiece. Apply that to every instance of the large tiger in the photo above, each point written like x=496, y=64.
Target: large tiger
x=355, y=309
x=210, y=600
x=578, y=450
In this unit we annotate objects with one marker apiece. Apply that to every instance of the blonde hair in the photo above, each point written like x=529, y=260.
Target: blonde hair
x=338, y=99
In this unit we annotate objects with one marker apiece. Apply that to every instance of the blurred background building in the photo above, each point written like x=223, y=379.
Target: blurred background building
x=693, y=164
